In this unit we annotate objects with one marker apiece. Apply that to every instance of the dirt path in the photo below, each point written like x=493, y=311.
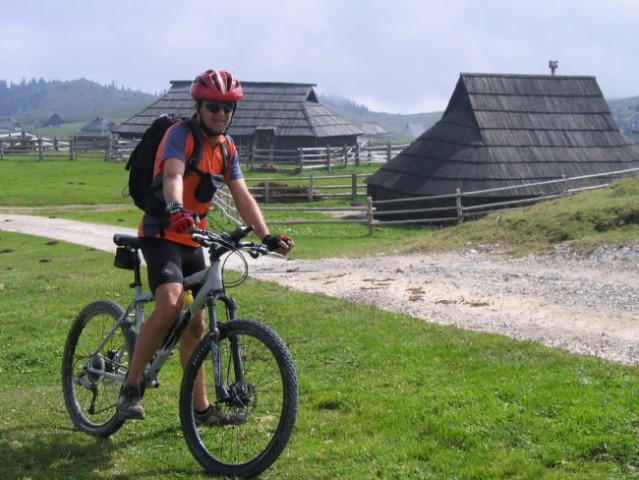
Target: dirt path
x=585, y=305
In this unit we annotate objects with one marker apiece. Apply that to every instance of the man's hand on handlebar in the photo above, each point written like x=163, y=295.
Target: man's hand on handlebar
x=181, y=221
x=278, y=243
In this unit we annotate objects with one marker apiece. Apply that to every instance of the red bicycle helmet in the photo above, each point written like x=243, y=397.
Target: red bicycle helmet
x=216, y=85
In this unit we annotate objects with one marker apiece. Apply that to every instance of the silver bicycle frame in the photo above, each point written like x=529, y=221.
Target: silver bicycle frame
x=211, y=280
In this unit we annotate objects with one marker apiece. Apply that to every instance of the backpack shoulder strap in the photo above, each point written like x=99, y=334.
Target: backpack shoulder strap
x=197, y=142
x=225, y=157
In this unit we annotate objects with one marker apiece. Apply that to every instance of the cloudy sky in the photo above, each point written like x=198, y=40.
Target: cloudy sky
x=399, y=56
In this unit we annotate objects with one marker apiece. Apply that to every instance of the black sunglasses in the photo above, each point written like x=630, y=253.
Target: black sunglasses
x=214, y=107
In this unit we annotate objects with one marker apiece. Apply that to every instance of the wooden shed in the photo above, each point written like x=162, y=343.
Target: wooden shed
x=272, y=115
x=54, y=120
x=412, y=130
x=508, y=130
x=98, y=126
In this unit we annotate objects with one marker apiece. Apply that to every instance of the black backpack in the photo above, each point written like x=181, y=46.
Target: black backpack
x=142, y=159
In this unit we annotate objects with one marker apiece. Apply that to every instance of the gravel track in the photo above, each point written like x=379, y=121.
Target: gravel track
x=583, y=304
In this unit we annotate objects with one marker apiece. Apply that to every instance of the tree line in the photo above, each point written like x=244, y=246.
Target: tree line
x=42, y=98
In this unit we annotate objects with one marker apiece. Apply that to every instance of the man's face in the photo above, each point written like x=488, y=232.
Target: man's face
x=216, y=115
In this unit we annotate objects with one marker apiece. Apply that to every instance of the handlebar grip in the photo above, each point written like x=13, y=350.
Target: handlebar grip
x=240, y=232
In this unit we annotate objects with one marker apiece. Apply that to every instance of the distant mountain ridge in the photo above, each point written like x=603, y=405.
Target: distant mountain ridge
x=83, y=100
x=625, y=111
x=72, y=100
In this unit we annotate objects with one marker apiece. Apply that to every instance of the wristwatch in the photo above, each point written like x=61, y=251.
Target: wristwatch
x=173, y=206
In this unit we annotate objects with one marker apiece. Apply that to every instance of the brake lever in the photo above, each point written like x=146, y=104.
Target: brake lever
x=255, y=250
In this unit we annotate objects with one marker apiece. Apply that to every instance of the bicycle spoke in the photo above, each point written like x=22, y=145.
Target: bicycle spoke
x=92, y=378
x=261, y=408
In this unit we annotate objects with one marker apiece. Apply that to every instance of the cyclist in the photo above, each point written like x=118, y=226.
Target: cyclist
x=168, y=249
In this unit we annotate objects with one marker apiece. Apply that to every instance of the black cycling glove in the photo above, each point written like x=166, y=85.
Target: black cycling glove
x=272, y=242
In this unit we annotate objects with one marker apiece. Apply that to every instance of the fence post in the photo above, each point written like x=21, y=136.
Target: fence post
x=328, y=158
x=267, y=191
x=564, y=185
x=460, y=214
x=311, y=185
x=354, y=186
x=300, y=158
x=345, y=156
x=369, y=215
x=1, y=149
x=71, y=147
x=357, y=151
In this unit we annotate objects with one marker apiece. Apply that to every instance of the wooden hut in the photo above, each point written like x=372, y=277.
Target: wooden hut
x=272, y=115
x=11, y=125
x=98, y=126
x=373, y=129
x=54, y=120
x=412, y=130
x=508, y=130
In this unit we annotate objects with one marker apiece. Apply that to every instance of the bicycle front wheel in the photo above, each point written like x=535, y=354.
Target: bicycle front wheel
x=254, y=423
x=95, y=360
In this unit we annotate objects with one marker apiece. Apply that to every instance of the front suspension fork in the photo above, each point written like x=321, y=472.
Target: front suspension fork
x=221, y=392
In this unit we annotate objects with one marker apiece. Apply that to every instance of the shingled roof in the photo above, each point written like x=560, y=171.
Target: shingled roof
x=506, y=130
x=290, y=109
x=100, y=125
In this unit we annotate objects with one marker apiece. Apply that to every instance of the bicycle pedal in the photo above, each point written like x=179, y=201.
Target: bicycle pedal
x=153, y=384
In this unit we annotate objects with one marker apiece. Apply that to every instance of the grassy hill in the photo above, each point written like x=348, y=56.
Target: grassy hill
x=75, y=101
x=626, y=113
x=394, y=123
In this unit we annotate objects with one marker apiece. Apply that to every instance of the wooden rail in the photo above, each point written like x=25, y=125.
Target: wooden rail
x=26, y=144
x=297, y=160
x=314, y=158
x=436, y=214
x=307, y=189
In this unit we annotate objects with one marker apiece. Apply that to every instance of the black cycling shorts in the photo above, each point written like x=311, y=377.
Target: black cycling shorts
x=169, y=262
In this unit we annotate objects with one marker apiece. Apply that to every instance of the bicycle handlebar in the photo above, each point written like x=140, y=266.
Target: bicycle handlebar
x=230, y=241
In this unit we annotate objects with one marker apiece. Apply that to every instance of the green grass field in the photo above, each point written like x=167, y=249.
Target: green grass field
x=383, y=395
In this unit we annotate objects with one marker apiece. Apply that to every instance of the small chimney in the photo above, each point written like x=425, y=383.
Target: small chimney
x=553, y=65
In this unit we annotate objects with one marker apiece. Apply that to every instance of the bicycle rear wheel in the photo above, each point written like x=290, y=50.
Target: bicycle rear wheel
x=259, y=416
x=95, y=360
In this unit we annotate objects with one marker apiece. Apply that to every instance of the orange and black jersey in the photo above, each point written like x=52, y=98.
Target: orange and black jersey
x=178, y=142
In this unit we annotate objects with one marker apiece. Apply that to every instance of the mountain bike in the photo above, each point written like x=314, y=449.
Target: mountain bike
x=246, y=364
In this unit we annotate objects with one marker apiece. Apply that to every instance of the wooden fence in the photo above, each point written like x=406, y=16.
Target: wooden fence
x=313, y=158
x=26, y=144
x=308, y=189
x=370, y=214
x=315, y=188
x=296, y=160
x=80, y=144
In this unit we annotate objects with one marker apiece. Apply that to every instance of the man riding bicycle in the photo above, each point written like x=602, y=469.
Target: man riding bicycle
x=169, y=251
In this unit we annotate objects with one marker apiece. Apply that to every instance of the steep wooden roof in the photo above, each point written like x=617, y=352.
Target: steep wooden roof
x=291, y=108
x=505, y=130
x=98, y=124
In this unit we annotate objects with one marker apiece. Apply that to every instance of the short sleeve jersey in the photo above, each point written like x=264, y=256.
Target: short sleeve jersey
x=178, y=143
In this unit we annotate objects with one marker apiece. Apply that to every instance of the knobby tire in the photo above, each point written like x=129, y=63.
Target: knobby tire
x=91, y=398
x=267, y=403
